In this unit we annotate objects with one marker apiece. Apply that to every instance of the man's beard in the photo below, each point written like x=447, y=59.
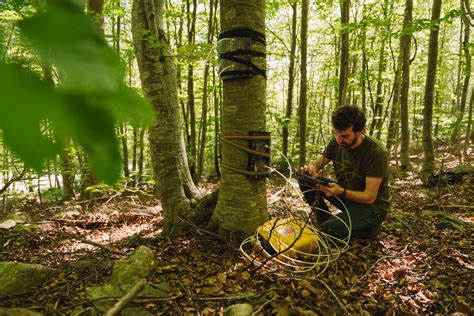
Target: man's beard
x=349, y=145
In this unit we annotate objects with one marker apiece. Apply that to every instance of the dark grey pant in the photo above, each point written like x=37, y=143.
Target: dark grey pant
x=364, y=217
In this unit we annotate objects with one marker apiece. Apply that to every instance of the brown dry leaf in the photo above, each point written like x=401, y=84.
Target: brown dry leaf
x=245, y=275
x=281, y=309
x=307, y=285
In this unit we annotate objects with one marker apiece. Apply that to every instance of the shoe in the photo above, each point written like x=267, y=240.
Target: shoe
x=374, y=232
x=370, y=233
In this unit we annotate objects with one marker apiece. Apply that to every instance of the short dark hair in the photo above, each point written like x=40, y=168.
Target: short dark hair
x=345, y=116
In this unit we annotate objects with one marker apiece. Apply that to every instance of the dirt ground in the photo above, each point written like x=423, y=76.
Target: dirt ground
x=421, y=263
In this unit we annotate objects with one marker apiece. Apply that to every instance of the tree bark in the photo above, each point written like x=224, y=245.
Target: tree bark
x=123, y=139
x=428, y=150
x=95, y=8
x=191, y=16
x=217, y=130
x=405, y=43
x=291, y=80
x=67, y=170
x=67, y=174
x=455, y=136
x=158, y=76
x=242, y=204
x=303, y=81
x=205, y=97
x=344, y=64
x=379, y=99
x=468, y=138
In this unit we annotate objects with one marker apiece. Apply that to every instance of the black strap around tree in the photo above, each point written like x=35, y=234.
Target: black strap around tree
x=233, y=56
x=252, y=34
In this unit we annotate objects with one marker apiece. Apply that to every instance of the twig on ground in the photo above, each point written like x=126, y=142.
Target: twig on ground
x=263, y=305
x=85, y=241
x=244, y=296
x=112, y=197
x=333, y=295
x=438, y=206
x=373, y=266
x=120, y=305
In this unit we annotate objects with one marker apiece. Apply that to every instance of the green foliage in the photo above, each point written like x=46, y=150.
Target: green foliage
x=445, y=220
x=15, y=5
x=53, y=195
x=86, y=104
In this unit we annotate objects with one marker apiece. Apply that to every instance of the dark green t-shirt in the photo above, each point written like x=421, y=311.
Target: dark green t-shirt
x=352, y=166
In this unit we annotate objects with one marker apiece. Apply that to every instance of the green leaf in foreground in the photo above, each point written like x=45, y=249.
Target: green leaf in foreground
x=90, y=99
x=26, y=104
x=72, y=42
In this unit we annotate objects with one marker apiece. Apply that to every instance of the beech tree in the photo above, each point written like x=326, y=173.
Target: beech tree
x=242, y=204
x=428, y=162
x=179, y=196
x=405, y=42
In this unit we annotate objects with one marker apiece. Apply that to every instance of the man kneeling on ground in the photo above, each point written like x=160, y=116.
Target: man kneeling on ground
x=361, y=167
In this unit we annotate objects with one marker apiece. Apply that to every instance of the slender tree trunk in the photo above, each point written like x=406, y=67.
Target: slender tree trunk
x=67, y=170
x=379, y=99
x=363, y=73
x=303, y=81
x=344, y=65
x=455, y=139
x=405, y=43
x=141, y=155
x=429, y=161
x=291, y=80
x=123, y=139
x=158, y=76
x=122, y=126
x=395, y=110
x=67, y=174
x=95, y=8
x=136, y=131
x=204, y=109
x=191, y=16
x=468, y=138
x=242, y=204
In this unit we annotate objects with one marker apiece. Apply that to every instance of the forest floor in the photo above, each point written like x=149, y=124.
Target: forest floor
x=421, y=263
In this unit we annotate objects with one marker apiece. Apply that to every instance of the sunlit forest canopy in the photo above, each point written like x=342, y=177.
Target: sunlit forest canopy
x=84, y=68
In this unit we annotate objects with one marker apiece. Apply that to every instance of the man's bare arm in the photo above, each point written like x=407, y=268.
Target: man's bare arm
x=368, y=196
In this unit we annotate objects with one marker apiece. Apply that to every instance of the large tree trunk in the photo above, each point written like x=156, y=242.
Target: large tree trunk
x=217, y=126
x=242, y=204
x=405, y=42
x=429, y=161
x=344, y=65
x=291, y=80
x=303, y=81
x=158, y=76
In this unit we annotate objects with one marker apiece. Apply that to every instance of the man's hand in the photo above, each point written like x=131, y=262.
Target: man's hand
x=310, y=170
x=313, y=169
x=332, y=190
